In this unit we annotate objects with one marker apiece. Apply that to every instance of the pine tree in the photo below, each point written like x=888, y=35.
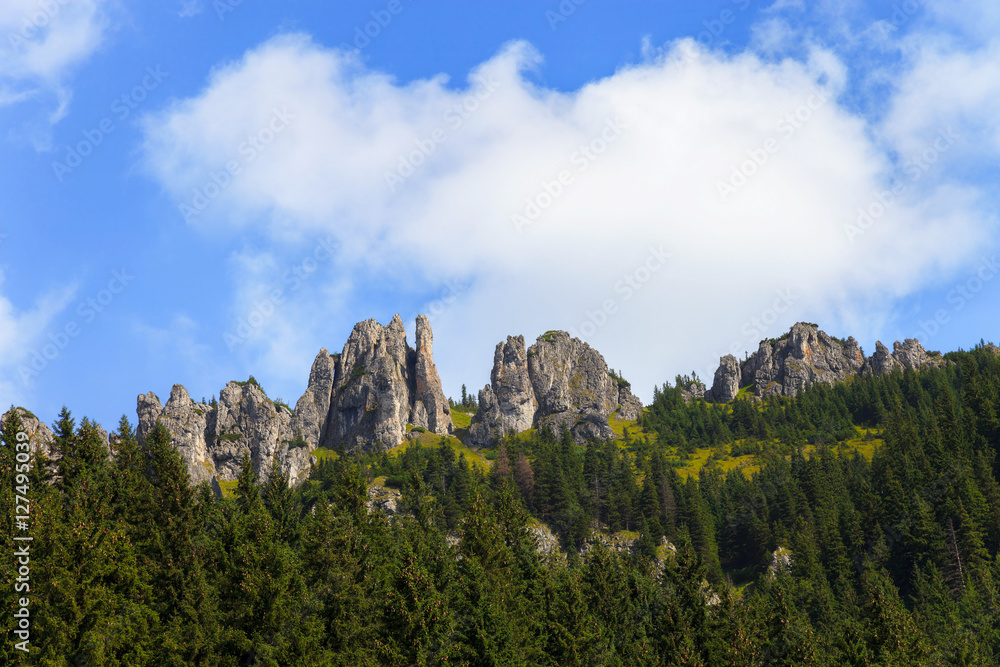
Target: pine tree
x=524, y=477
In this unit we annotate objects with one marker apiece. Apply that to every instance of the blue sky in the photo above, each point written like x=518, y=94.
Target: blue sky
x=197, y=191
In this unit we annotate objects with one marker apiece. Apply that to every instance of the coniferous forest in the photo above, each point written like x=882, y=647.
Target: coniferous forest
x=885, y=553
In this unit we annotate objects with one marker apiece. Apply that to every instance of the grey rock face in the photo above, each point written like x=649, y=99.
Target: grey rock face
x=911, y=354
x=629, y=406
x=380, y=385
x=214, y=440
x=39, y=435
x=572, y=385
x=507, y=404
x=187, y=422
x=727, y=380
x=693, y=390
x=806, y=355
x=559, y=382
x=247, y=423
x=882, y=362
x=362, y=398
x=781, y=562
x=313, y=406
x=371, y=396
x=430, y=407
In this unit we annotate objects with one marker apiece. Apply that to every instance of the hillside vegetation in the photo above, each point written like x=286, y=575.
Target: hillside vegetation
x=857, y=524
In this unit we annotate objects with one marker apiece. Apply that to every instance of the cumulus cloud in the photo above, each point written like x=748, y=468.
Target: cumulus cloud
x=683, y=208
x=42, y=42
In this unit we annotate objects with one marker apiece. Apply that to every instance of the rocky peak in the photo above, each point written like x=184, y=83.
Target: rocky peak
x=572, y=385
x=430, y=407
x=507, y=404
x=362, y=398
x=187, y=422
x=39, y=435
x=370, y=404
x=247, y=423
x=727, y=380
x=910, y=354
x=882, y=362
x=560, y=382
x=806, y=355
x=312, y=408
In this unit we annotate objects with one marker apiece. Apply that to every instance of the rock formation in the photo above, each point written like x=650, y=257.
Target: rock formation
x=726, y=384
x=572, y=385
x=362, y=398
x=187, y=422
x=430, y=407
x=39, y=435
x=507, y=404
x=370, y=405
x=381, y=385
x=806, y=355
x=629, y=405
x=313, y=406
x=693, y=389
x=559, y=382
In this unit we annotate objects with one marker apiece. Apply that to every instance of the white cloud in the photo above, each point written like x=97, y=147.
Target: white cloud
x=42, y=41
x=22, y=333
x=688, y=119
x=944, y=87
x=191, y=8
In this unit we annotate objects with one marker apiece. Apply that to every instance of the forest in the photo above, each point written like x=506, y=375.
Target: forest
x=865, y=530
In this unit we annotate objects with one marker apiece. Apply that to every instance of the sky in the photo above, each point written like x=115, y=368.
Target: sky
x=195, y=191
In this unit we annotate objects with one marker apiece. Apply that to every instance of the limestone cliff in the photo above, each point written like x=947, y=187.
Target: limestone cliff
x=381, y=385
x=187, y=422
x=362, y=398
x=507, y=404
x=39, y=435
x=806, y=355
x=430, y=407
x=559, y=382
